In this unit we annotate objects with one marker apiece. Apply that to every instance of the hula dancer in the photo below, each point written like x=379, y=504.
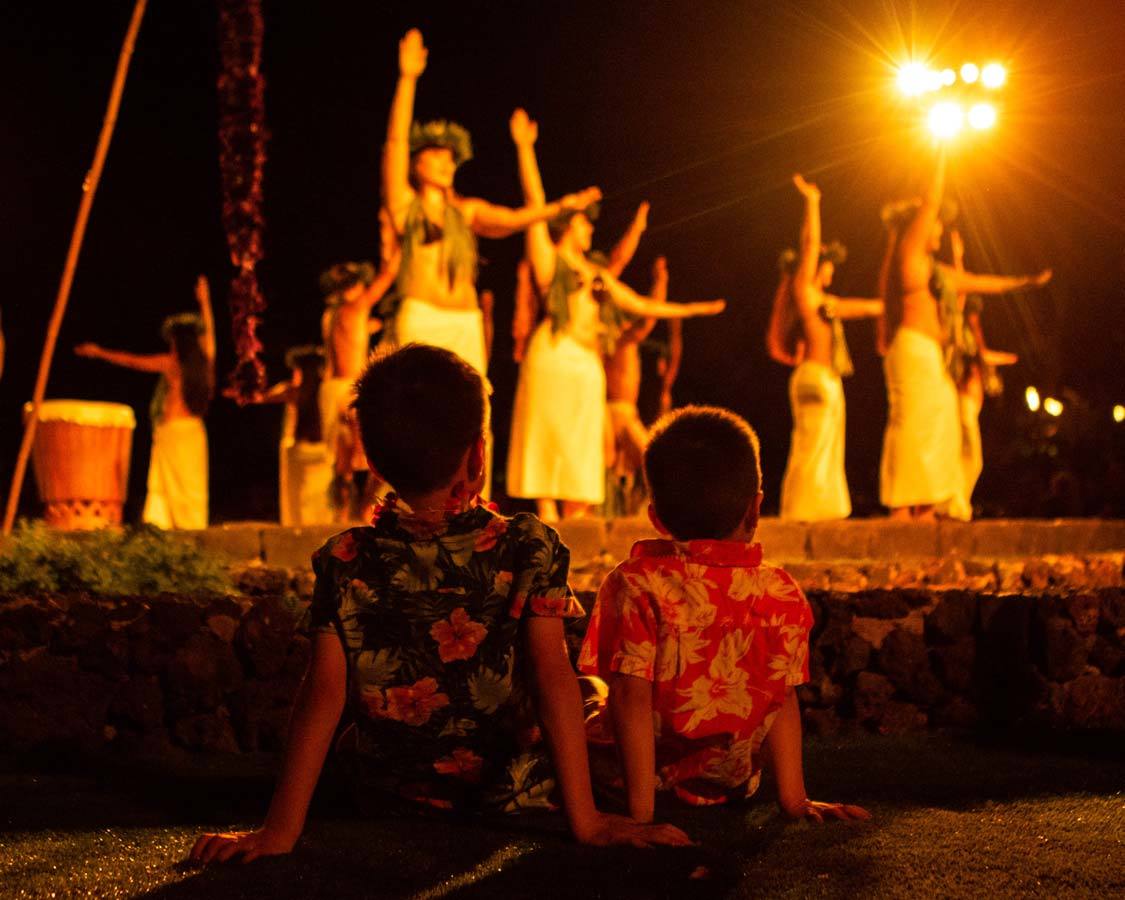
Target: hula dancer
x=177, y=470
x=437, y=227
x=557, y=451
x=806, y=332
x=974, y=367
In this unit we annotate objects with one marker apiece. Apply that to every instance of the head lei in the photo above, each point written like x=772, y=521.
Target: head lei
x=296, y=355
x=181, y=320
x=559, y=223
x=897, y=215
x=834, y=252
x=440, y=133
x=342, y=276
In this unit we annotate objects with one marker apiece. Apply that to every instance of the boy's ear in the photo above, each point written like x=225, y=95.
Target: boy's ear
x=753, y=512
x=656, y=523
x=474, y=465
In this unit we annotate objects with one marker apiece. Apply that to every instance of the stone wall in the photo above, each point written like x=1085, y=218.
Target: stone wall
x=171, y=674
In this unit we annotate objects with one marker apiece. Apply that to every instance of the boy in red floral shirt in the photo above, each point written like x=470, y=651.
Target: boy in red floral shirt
x=701, y=643
x=440, y=628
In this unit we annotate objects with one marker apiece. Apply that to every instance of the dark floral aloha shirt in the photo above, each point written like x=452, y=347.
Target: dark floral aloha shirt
x=430, y=619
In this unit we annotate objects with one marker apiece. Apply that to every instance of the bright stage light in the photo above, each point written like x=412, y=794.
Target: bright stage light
x=1053, y=407
x=993, y=75
x=948, y=77
x=1119, y=413
x=913, y=79
x=946, y=119
x=970, y=72
x=1032, y=397
x=982, y=116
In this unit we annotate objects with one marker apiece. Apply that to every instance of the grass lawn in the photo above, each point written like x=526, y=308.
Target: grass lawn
x=953, y=817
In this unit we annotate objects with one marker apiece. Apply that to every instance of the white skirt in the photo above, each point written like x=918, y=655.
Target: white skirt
x=460, y=331
x=972, y=458
x=921, y=463
x=177, y=475
x=305, y=482
x=815, y=487
x=557, y=450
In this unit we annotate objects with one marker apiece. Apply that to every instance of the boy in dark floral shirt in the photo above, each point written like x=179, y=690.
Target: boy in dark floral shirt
x=440, y=626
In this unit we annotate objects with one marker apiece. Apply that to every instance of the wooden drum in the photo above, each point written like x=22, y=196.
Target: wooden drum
x=81, y=459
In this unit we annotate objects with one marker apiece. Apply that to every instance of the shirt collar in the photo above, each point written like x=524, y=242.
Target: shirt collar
x=394, y=515
x=703, y=552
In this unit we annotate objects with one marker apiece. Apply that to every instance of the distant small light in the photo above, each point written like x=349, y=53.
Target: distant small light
x=970, y=72
x=993, y=75
x=1119, y=413
x=982, y=116
x=1053, y=407
x=1032, y=397
x=948, y=77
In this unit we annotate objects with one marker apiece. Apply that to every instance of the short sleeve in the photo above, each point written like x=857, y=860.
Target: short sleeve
x=623, y=630
x=542, y=567
x=792, y=623
x=324, y=613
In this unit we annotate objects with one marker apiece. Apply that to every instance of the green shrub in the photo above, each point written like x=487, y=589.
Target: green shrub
x=144, y=560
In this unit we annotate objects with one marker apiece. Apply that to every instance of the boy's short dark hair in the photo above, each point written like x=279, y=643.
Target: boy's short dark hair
x=420, y=409
x=702, y=468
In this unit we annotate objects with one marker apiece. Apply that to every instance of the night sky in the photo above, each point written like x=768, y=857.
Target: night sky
x=703, y=108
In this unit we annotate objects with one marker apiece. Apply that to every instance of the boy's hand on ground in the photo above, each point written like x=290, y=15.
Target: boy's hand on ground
x=610, y=830
x=249, y=845
x=815, y=811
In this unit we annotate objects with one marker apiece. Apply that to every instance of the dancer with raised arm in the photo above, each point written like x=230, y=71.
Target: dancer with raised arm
x=807, y=332
x=438, y=227
x=557, y=449
x=974, y=365
x=177, y=471
x=921, y=466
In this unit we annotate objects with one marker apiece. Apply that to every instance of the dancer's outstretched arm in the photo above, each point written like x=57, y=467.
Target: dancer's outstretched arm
x=397, y=193
x=493, y=221
x=972, y=283
x=858, y=307
x=540, y=249
x=804, y=278
x=632, y=302
x=913, y=249
x=141, y=362
x=203, y=297
x=622, y=253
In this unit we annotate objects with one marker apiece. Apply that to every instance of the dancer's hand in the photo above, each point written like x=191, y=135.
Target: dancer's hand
x=412, y=54
x=249, y=845
x=998, y=357
x=89, y=350
x=524, y=129
x=1042, y=278
x=708, y=307
x=814, y=811
x=610, y=830
x=641, y=218
x=202, y=290
x=660, y=269
x=808, y=190
x=580, y=200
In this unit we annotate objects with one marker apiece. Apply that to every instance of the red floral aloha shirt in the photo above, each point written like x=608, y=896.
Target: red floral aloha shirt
x=430, y=619
x=721, y=636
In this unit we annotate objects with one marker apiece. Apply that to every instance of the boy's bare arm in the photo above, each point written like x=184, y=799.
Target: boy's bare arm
x=630, y=705
x=320, y=701
x=559, y=702
x=783, y=745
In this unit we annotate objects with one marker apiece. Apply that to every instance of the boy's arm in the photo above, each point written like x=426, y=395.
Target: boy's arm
x=320, y=701
x=559, y=702
x=630, y=705
x=783, y=746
